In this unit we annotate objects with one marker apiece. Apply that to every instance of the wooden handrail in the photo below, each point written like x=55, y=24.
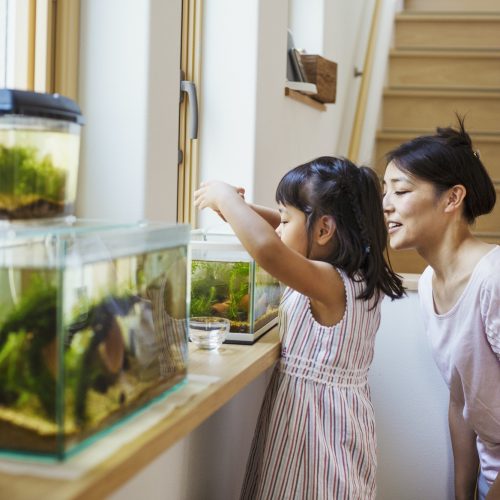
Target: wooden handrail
x=359, y=117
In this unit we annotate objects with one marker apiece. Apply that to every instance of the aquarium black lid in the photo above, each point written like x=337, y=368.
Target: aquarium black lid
x=23, y=102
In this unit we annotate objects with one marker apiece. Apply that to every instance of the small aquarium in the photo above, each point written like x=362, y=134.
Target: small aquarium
x=226, y=282
x=93, y=327
x=39, y=154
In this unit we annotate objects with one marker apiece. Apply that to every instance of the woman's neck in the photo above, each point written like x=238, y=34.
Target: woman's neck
x=454, y=257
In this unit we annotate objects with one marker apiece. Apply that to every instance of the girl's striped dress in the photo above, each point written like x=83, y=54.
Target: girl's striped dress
x=315, y=437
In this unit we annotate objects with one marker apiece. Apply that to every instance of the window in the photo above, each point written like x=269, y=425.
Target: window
x=39, y=45
x=40, y=50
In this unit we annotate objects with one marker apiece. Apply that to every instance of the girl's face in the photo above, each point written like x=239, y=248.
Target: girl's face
x=412, y=210
x=292, y=229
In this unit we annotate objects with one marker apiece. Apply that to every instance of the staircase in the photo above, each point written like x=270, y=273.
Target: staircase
x=446, y=59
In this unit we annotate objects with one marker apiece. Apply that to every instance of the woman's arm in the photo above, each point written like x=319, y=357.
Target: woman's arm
x=465, y=457
x=494, y=493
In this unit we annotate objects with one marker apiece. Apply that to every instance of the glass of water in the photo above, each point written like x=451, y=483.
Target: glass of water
x=208, y=332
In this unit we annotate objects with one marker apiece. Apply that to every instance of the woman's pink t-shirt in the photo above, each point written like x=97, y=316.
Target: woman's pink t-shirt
x=466, y=347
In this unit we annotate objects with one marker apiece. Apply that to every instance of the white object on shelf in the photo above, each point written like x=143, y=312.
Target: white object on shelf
x=304, y=87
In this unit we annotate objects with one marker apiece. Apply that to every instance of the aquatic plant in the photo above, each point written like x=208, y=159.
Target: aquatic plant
x=238, y=289
x=96, y=370
x=220, y=288
x=28, y=349
x=23, y=173
x=25, y=338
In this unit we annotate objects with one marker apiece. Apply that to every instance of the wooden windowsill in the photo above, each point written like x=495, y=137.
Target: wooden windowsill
x=235, y=366
x=305, y=99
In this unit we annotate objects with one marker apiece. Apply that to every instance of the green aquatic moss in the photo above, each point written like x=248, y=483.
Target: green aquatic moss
x=23, y=173
x=25, y=333
x=30, y=329
x=215, y=283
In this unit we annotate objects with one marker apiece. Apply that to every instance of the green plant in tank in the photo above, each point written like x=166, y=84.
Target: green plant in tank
x=22, y=173
x=206, y=288
x=27, y=338
x=201, y=304
x=99, y=368
x=220, y=288
x=238, y=289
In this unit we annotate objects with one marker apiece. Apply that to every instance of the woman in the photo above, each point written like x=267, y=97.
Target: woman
x=435, y=187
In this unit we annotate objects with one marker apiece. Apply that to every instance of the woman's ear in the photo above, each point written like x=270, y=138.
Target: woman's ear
x=325, y=229
x=454, y=198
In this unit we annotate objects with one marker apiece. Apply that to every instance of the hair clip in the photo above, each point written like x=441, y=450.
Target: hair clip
x=476, y=154
x=367, y=249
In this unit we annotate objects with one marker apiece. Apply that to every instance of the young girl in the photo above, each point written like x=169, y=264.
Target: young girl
x=435, y=187
x=315, y=436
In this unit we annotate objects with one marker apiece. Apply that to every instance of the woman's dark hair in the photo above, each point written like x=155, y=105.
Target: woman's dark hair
x=445, y=160
x=352, y=196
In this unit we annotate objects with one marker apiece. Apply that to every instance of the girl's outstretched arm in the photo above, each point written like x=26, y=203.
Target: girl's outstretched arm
x=316, y=279
x=270, y=215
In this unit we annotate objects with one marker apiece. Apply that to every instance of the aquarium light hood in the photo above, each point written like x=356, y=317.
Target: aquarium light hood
x=26, y=103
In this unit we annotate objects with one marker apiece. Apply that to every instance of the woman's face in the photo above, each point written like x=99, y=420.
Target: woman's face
x=413, y=211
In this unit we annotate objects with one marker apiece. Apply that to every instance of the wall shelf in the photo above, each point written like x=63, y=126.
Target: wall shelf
x=305, y=99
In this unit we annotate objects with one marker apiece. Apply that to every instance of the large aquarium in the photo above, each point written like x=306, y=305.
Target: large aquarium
x=93, y=327
x=227, y=282
x=39, y=153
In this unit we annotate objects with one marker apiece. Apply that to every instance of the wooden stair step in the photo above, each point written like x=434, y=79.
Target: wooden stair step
x=488, y=237
x=409, y=261
x=447, y=31
x=423, y=109
x=473, y=70
x=406, y=261
x=490, y=223
x=452, y=5
x=488, y=146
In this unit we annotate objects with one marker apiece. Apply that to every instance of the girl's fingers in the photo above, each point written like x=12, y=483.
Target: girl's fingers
x=197, y=196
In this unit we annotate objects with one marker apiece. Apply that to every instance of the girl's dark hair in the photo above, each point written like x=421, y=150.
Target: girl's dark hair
x=352, y=196
x=445, y=160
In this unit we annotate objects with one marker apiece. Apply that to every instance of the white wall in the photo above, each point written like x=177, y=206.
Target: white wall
x=250, y=133
x=411, y=408
x=227, y=95
x=129, y=95
x=288, y=132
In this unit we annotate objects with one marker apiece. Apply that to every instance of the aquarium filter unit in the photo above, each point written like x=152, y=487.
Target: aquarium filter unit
x=227, y=282
x=93, y=328
x=39, y=154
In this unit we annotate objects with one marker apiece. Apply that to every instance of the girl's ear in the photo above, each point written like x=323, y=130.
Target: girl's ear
x=325, y=229
x=454, y=198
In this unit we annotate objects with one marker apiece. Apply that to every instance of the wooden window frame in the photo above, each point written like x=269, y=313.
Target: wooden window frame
x=188, y=173
x=45, y=53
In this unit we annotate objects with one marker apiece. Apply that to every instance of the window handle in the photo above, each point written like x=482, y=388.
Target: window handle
x=189, y=88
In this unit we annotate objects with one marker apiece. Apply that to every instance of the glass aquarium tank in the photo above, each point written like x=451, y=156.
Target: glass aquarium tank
x=226, y=282
x=93, y=327
x=39, y=154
